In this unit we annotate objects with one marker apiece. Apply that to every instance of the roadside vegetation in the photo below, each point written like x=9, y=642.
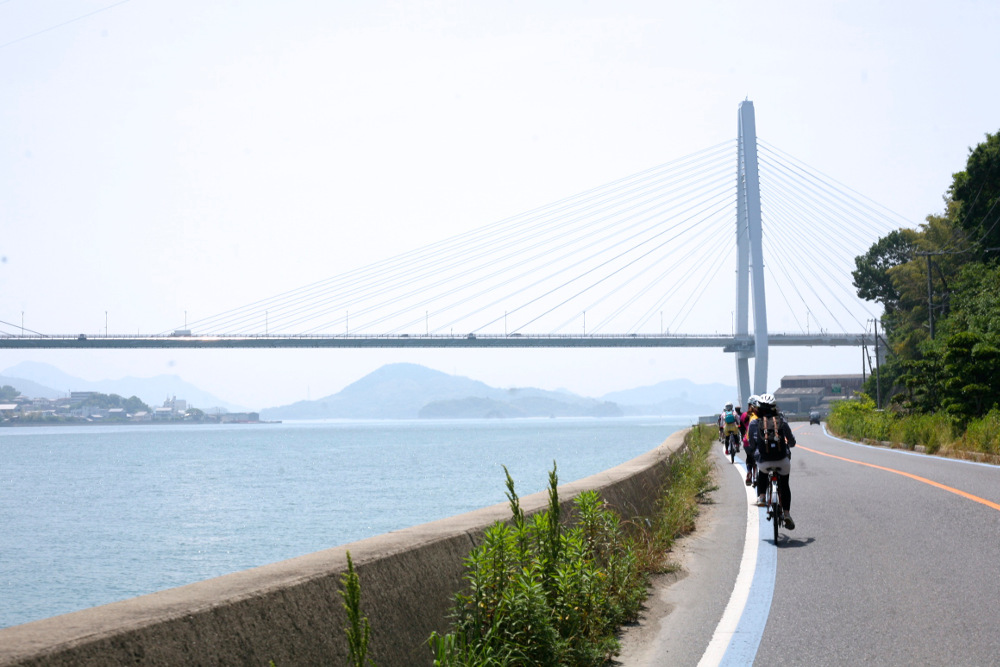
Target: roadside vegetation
x=543, y=591
x=937, y=432
x=939, y=287
x=547, y=589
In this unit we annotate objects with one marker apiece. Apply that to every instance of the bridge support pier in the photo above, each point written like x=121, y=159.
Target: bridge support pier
x=749, y=259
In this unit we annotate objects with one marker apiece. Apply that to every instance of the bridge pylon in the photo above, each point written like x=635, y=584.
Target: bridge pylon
x=749, y=260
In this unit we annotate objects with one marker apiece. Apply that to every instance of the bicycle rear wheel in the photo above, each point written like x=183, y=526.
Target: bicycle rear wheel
x=733, y=446
x=775, y=509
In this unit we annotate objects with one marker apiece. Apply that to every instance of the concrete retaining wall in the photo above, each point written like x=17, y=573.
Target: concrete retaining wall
x=291, y=612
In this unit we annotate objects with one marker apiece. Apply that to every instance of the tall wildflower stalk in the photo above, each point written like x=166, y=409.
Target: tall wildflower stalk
x=358, y=629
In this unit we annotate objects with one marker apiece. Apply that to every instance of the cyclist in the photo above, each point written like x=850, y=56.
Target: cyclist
x=730, y=424
x=747, y=417
x=773, y=439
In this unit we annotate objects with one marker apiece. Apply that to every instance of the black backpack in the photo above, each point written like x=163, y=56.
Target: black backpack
x=770, y=443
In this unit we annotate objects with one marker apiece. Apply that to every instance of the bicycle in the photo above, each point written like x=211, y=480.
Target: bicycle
x=732, y=446
x=775, y=513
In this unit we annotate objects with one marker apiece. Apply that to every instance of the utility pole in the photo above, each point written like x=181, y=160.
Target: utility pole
x=930, y=297
x=930, y=289
x=864, y=353
x=878, y=378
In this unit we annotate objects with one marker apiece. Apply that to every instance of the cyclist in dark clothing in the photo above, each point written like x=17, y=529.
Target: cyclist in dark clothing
x=745, y=419
x=772, y=440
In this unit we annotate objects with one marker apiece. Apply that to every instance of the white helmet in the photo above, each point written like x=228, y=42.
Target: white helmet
x=729, y=405
x=767, y=401
x=753, y=401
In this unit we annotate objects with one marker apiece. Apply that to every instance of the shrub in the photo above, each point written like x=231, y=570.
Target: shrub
x=540, y=593
x=858, y=419
x=933, y=431
x=983, y=435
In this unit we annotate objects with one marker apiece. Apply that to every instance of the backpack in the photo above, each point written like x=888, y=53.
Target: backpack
x=730, y=417
x=770, y=443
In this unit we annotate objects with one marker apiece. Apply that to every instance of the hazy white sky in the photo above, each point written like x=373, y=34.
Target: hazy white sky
x=165, y=160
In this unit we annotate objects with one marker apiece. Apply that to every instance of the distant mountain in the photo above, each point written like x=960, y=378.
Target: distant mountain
x=674, y=397
x=31, y=389
x=410, y=391
x=38, y=380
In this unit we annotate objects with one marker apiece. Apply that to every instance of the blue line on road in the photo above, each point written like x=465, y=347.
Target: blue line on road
x=746, y=640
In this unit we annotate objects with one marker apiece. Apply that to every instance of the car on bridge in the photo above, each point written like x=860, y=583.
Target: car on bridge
x=814, y=417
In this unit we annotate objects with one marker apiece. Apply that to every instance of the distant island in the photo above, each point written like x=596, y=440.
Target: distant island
x=91, y=407
x=394, y=391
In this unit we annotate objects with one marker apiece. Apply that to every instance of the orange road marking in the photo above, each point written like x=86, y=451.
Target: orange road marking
x=944, y=487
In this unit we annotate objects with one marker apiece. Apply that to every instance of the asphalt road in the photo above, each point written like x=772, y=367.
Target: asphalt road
x=882, y=568
x=888, y=565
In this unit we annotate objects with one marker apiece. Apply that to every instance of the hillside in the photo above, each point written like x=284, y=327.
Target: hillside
x=673, y=397
x=40, y=380
x=411, y=391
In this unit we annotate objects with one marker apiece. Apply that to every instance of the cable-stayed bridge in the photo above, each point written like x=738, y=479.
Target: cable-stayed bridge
x=674, y=256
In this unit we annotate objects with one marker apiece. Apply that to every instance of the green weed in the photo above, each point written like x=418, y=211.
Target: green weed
x=543, y=593
x=358, y=629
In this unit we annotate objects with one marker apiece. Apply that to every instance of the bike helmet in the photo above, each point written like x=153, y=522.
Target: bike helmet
x=729, y=406
x=767, y=403
x=753, y=401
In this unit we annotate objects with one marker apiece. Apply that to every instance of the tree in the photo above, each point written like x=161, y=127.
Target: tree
x=977, y=193
x=134, y=404
x=8, y=393
x=106, y=401
x=972, y=386
x=871, y=278
x=975, y=301
x=943, y=271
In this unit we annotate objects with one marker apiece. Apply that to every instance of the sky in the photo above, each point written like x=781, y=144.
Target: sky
x=167, y=161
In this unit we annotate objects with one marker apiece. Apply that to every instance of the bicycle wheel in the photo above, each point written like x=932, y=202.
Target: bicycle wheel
x=732, y=448
x=775, y=510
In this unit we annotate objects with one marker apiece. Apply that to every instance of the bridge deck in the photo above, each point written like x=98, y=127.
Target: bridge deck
x=728, y=343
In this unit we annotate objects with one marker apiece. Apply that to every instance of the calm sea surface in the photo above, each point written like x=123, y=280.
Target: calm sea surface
x=91, y=515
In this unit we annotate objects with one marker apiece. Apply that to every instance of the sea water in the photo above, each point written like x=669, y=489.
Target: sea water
x=94, y=514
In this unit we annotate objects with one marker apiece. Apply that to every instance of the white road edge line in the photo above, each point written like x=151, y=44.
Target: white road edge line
x=726, y=628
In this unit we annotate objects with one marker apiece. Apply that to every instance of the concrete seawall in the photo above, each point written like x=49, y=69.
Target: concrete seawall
x=291, y=612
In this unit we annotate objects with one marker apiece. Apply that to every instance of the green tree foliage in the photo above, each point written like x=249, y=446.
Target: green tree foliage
x=976, y=192
x=976, y=300
x=871, y=277
x=8, y=393
x=937, y=272
x=131, y=405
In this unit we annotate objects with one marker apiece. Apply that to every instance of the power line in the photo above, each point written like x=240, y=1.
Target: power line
x=59, y=25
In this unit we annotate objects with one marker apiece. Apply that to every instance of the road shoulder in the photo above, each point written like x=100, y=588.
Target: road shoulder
x=684, y=607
